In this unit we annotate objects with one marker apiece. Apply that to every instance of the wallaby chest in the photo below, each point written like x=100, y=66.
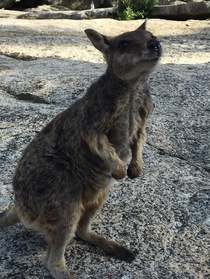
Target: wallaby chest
x=130, y=121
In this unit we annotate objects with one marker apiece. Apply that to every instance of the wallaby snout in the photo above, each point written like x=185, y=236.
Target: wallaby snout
x=155, y=45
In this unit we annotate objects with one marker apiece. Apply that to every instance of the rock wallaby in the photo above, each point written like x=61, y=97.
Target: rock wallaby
x=65, y=173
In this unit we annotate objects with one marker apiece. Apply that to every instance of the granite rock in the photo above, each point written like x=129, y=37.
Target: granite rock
x=182, y=10
x=163, y=214
x=60, y=12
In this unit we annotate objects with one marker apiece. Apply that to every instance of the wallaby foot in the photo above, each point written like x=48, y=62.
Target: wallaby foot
x=9, y=217
x=59, y=270
x=55, y=262
x=109, y=246
x=85, y=233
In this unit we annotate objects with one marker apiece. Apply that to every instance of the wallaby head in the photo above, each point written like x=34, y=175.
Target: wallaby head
x=130, y=54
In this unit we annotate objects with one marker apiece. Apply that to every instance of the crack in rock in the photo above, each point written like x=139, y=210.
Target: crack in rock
x=30, y=97
x=19, y=56
x=162, y=151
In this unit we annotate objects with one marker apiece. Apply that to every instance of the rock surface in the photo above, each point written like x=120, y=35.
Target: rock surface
x=182, y=10
x=164, y=213
x=60, y=12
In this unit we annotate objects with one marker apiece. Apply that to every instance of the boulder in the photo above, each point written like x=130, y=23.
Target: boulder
x=60, y=12
x=165, y=2
x=182, y=10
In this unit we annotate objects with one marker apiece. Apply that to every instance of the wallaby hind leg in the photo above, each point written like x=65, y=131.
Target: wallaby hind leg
x=57, y=238
x=57, y=242
x=85, y=232
x=9, y=217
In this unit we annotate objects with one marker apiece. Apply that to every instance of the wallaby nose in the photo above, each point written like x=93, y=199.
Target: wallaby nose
x=155, y=45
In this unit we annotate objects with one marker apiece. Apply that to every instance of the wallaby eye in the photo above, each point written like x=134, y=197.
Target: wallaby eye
x=123, y=44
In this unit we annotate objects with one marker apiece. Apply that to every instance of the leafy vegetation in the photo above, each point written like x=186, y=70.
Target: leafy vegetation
x=130, y=9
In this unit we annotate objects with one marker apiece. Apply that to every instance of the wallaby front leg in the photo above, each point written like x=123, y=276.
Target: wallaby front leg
x=100, y=145
x=136, y=163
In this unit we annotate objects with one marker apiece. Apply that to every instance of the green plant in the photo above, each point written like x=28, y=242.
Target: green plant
x=129, y=14
x=130, y=9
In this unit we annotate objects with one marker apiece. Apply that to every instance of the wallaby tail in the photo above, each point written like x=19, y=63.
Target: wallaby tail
x=9, y=217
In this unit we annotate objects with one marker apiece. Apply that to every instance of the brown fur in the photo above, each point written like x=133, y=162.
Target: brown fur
x=65, y=173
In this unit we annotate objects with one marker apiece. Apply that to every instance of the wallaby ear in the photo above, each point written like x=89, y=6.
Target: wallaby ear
x=99, y=41
x=143, y=26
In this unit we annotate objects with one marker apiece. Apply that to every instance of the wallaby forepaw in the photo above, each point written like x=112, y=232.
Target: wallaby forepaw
x=134, y=171
x=119, y=173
